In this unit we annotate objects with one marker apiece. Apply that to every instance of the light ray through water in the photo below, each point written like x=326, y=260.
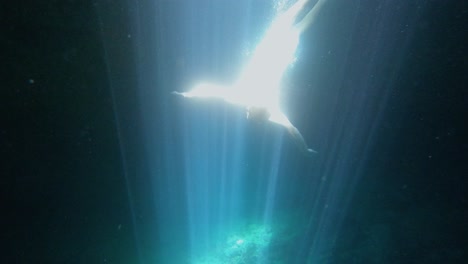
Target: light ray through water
x=223, y=226
x=226, y=191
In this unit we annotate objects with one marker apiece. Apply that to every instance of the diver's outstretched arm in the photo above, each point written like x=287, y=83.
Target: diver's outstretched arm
x=205, y=90
x=310, y=17
x=299, y=140
x=177, y=93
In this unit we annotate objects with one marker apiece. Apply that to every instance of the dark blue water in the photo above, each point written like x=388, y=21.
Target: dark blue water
x=102, y=164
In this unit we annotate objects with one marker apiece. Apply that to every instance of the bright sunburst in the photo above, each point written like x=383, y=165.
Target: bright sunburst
x=258, y=86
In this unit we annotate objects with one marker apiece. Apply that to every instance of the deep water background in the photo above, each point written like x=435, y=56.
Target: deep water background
x=101, y=165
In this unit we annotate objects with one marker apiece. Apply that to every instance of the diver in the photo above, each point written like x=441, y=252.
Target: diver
x=257, y=89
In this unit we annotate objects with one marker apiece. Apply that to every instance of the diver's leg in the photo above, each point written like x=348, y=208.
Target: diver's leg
x=310, y=17
x=299, y=140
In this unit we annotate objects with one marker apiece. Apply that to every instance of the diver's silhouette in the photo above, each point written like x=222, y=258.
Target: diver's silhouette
x=257, y=89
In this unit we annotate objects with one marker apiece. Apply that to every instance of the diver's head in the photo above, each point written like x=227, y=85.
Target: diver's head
x=258, y=113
